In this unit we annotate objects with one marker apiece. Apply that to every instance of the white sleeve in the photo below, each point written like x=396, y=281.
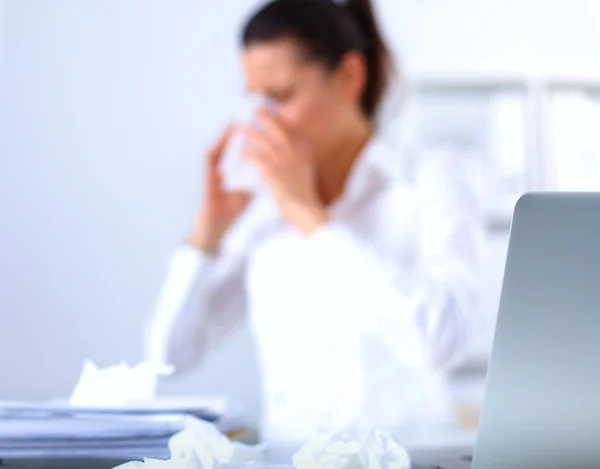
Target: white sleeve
x=202, y=299
x=424, y=315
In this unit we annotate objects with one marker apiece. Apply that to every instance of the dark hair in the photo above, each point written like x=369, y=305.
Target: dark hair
x=327, y=30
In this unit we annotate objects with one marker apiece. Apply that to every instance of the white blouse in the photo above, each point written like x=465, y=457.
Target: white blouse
x=354, y=324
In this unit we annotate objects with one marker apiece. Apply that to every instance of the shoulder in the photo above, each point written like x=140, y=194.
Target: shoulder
x=416, y=179
x=448, y=173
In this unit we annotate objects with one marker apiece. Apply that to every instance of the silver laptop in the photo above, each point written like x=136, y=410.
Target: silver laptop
x=542, y=399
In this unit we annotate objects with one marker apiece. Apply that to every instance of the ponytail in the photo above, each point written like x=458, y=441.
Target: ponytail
x=377, y=55
x=327, y=30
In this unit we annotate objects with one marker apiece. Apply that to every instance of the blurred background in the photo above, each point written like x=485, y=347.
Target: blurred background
x=106, y=106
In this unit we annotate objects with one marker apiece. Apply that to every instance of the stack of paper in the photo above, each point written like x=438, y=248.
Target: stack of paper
x=206, y=408
x=56, y=429
x=91, y=436
x=113, y=413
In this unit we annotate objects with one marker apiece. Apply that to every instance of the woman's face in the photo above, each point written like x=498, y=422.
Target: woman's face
x=311, y=100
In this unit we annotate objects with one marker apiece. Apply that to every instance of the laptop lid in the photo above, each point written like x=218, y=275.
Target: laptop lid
x=542, y=399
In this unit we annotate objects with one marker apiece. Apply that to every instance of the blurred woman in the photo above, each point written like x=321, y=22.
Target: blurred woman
x=360, y=291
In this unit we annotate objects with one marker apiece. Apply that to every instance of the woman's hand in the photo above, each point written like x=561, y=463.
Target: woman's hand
x=288, y=170
x=220, y=208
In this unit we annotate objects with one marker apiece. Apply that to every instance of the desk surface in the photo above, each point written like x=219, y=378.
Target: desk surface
x=429, y=449
x=448, y=458
x=60, y=464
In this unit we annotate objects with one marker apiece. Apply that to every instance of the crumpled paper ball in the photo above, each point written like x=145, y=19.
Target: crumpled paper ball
x=209, y=445
x=200, y=445
x=352, y=449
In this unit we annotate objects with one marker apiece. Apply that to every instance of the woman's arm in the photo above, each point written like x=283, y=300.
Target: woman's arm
x=203, y=297
x=424, y=316
x=201, y=301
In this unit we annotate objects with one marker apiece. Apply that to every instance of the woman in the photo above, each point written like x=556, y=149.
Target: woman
x=359, y=292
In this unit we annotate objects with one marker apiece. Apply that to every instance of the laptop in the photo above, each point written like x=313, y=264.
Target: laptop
x=542, y=399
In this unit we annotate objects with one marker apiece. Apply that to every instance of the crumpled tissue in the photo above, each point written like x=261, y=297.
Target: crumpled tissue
x=117, y=385
x=200, y=445
x=352, y=449
x=205, y=441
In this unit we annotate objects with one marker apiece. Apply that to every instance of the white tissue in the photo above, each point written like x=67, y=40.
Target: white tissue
x=238, y=173
x=205, y=441
x=118, y=385
x=352, y=449
x=200, y=445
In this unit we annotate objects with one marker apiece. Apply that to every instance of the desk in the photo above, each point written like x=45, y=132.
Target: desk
x=76, y=462
x=427, y=449
x=445, y=447
x=60, y=464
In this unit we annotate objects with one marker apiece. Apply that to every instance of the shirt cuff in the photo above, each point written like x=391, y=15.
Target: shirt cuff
x=187, y=255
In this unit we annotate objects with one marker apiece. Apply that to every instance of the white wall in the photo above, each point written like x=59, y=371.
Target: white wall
x=1, y=25
x=2, y=32
x=108, y=105
x=534, y=37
